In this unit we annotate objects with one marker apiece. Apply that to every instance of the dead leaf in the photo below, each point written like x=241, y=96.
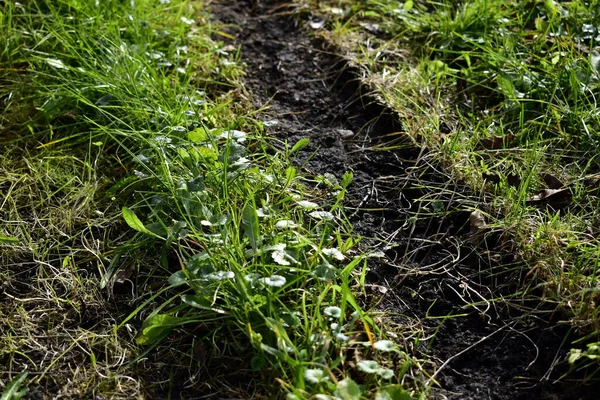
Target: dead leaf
x=126, y=274
x=552, y=182
x=513, y=180
x=592, y=185
x=478, y=227
x=494, y=178
x=552, y=197
x=477, y=220
x=496, y=142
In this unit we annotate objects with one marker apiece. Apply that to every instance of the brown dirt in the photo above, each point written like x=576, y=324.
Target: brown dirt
x=429, y=274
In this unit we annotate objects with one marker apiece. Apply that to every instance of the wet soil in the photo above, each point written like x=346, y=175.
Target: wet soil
x=410, y=210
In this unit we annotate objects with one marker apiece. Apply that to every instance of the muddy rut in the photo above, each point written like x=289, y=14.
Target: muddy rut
x=427, y=276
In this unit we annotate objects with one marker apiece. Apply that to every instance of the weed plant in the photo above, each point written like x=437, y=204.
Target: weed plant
x=132, y=111
x=503, y=94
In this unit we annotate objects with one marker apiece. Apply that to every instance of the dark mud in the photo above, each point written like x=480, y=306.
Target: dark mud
x=488, y=351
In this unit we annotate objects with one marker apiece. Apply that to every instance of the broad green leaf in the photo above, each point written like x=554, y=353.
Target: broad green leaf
x=575, y=355
x=551, y=7
x=506, y=86
x=196, y=184
x=274, y=281
x=334, y=253
x=271, y=350
x=198, y=135
x=200, y=270
x=8, y=239
x=333, y=311
x=220, y=275
x=325, y=272
x=394, y=392
x=280, y=332
x=235, y=135
x=286, y=223
x=186, y=157
x=309, y=205
x=157, y=327
x=250, y=224
x=368, y=366
x=200, y=302
x=347, y=179
x=206, y=154
x=258, y=363
x=197, y=261
x=158, y=229
x=12, y=392
x=386, y=373
x=231, y=153
x=280, y=257
x=290, y=173
x=290, y=319
x=385, y=345
x=347, y=389
x=314, y=375
x=300, y=144
x=134, y=222
x=326, y=215
x=178, y=278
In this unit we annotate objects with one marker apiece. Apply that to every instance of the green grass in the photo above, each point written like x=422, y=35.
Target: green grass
x=132, y=161
x=503, y=94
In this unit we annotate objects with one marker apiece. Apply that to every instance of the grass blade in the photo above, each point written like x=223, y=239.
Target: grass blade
x=250, y=224
x=12, y=391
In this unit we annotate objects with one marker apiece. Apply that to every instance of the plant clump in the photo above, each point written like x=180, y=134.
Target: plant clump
x=150, y=211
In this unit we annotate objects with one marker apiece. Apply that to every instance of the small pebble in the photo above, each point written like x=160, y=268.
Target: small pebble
x=270, y=123
x=345, y=133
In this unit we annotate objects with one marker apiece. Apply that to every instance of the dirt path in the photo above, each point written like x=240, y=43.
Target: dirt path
x=494, y=353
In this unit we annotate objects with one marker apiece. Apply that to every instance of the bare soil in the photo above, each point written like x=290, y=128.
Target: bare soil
x=499, y=350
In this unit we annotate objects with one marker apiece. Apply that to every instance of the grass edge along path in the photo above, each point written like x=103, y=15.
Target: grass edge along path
x=228, y=240
x=503, y=95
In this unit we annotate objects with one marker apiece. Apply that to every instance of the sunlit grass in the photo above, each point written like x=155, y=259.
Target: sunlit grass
x=135, y=163
x=504, y=95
